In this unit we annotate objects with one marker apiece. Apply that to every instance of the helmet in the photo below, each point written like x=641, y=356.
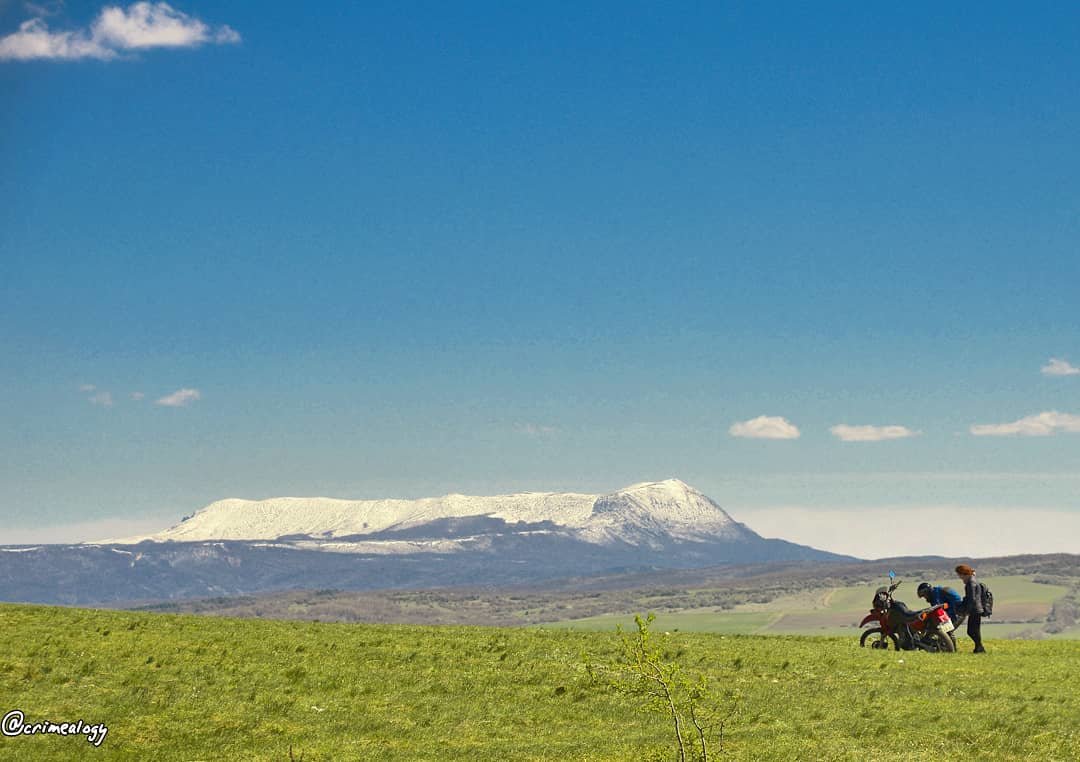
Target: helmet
x=923, y=589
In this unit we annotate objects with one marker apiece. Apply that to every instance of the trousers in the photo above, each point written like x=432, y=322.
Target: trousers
x=974, y=631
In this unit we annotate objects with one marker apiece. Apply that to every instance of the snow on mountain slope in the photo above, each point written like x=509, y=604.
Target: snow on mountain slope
x=321, y=517
x=650, y=512
x=645, y=513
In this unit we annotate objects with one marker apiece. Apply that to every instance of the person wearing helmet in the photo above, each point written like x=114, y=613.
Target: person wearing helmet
x=936, y=595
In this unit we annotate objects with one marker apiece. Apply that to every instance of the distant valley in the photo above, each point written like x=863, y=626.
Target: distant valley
x=1038, y=597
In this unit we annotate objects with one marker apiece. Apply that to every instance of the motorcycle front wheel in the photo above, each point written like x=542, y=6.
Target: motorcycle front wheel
x=879, y=639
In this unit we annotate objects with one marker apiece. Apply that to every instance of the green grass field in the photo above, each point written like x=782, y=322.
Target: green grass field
x=206, y=688
x=1021, y=605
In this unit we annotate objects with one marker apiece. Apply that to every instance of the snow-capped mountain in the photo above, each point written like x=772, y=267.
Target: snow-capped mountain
x=236, y=546
x=646, y=514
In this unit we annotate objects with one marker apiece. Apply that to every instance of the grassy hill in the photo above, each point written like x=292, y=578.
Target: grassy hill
x=212, y=688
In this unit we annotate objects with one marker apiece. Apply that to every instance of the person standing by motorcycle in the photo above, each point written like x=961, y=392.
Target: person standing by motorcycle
x=935, y=596
x=972, y=605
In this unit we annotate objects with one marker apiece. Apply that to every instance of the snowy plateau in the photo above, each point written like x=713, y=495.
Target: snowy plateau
x=650, y=514
x=235, y=546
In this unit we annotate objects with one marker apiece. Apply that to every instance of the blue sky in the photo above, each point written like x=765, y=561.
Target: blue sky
x=402, y=250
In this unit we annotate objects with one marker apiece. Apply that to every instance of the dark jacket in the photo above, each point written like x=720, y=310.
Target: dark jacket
x=972, y=603
x=939, y=595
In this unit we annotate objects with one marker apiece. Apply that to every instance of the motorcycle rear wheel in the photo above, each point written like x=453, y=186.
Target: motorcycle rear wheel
x=936, y=642
x=879, y=639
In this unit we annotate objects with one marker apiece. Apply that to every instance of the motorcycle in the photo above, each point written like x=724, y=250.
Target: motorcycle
x=927, y=629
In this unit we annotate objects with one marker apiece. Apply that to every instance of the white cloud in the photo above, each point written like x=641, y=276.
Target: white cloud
x=34, y=40
x=765, y=427
x=156, y=25
x=1039, y=425
x=1058, y=367
x=535, y=429
x=87, y=388
x=138, y=396
x=180, y=398
x=104, y=399
x=846, y=433
x=115, y=30
x=894, y=531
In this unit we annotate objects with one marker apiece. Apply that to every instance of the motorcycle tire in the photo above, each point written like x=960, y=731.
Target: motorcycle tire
x=945, y=643
x=882, y=641
x=935, y=643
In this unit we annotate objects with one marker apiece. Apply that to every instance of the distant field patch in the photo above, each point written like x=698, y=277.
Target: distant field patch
x=1022, y=612
x=685, y=621
x=992, y=629
x=808, y=621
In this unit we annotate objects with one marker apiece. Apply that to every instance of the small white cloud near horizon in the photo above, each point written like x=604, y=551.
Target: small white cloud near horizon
x=765, y=427
x=138, y=396
x=116, y=30
x=180, y=398
x=1039, y=425
x=535, y=429
x=1059, y=367
x=102, y=399
x=846, y=433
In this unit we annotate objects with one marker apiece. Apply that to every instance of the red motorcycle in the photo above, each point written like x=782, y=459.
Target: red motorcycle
x=928, y=629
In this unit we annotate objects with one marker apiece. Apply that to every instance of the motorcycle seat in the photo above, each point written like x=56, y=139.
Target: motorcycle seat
x=908, y=615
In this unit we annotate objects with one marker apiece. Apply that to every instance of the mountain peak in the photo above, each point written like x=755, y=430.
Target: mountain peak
x=648, y=512
x=675, y=488
x=651, y=512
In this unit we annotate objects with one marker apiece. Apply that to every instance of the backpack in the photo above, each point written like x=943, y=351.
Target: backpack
x=954, y=599
x=987, y=598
